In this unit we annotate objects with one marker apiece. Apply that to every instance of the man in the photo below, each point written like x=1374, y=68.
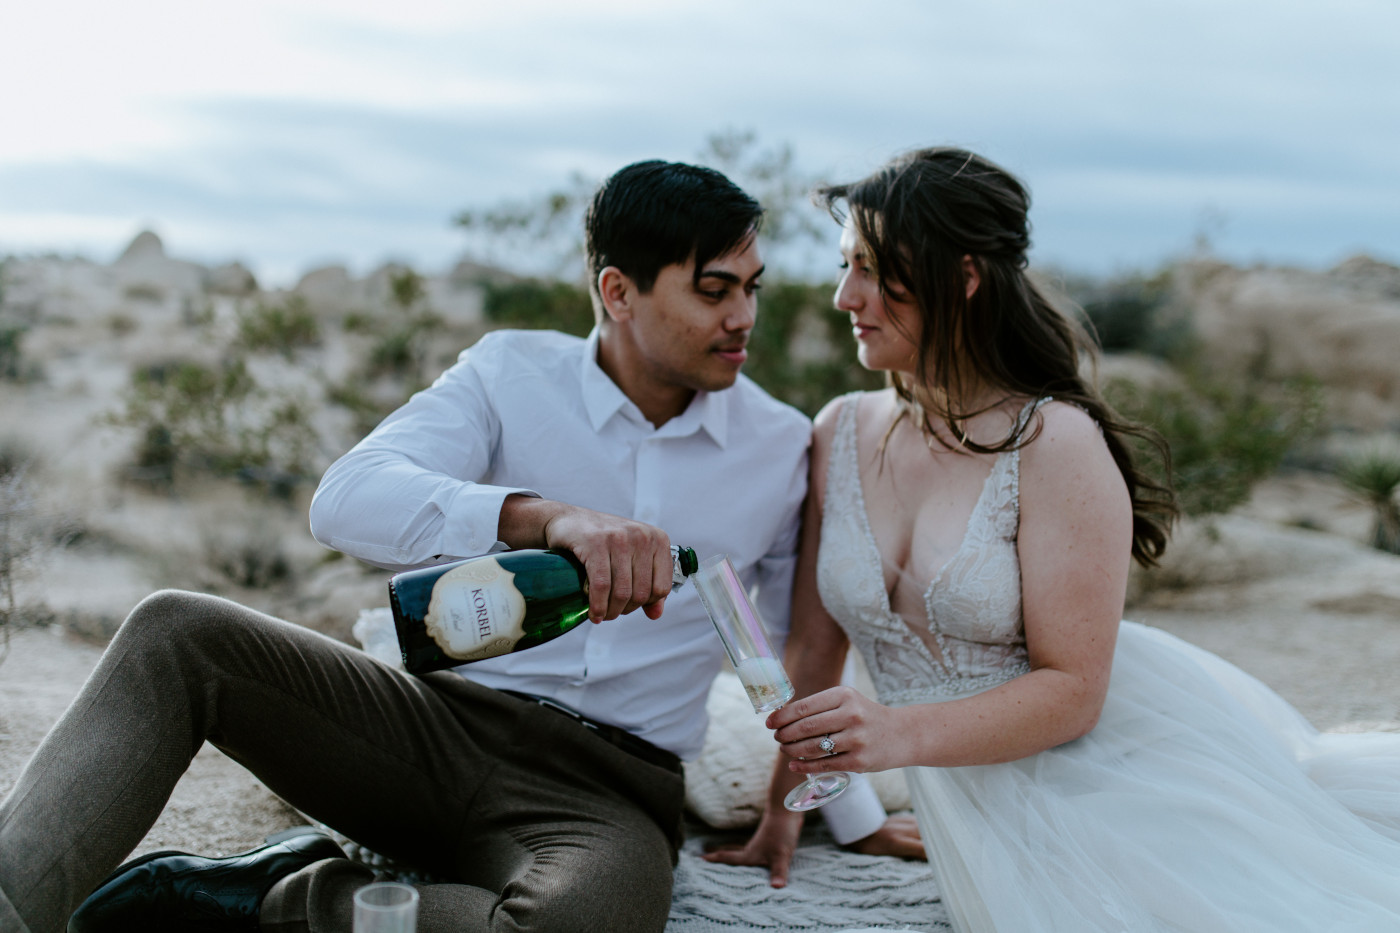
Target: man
x=536, y=817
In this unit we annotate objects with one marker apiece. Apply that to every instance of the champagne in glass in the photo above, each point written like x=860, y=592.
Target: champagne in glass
x=759, y=669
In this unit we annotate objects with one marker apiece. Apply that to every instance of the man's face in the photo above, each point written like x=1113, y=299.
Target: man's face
x=691, y=332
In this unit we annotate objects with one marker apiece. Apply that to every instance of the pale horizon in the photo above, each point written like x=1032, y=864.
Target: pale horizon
x=289, y=136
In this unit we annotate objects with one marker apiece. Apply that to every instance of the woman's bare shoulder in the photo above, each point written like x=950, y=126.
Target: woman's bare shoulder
x=1067, y=422
x=869, y=405
x=1068, y=449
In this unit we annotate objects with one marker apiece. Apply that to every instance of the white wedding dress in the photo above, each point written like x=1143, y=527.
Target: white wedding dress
x=1201, y=802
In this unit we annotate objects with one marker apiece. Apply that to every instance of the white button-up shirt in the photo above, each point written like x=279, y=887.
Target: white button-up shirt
x=531, y=412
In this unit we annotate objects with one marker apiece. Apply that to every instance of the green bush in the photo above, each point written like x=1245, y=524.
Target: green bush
x=1128, y=314
x=535, y=304
x=406, y=288
x=280, y=327
x=252, y=557
x=1224, y=435
x=794, y=316
x=20, y=534
x=366, y=409
x=1374, y=475
x=218, y=420
x=12, y=364
x=396, y=363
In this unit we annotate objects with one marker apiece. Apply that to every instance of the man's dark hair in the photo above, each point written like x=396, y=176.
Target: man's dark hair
x=654, y=214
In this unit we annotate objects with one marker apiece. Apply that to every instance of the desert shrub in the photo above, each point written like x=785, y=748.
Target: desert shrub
x=395, y=365
x=20, y=534
x=197, y=314
x=1129, y=313
x=801, y=351
x=537, y=304
x=1374, y=475
x=144, y=291
x=1225, y=435
x=154, y=461
x=13, y=367
x=251, y=556
x=400, y=348
x=215, y=419
x=282, y=327
x=121, y=324
x=357, y=322
x=395, y=353
x=406, y=288
x=366, y=409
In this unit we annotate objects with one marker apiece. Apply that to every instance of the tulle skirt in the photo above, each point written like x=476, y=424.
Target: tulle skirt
x=1201, y=802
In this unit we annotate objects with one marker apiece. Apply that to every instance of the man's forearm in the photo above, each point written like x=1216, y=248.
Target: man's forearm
x=525, y=519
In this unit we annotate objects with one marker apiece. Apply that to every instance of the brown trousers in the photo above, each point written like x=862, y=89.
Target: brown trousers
x=539, y=824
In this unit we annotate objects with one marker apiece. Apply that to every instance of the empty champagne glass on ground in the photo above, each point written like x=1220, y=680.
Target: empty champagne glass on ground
x=386, y=907
x=759, y=669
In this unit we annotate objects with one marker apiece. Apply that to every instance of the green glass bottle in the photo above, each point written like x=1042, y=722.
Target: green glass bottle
x=484, y=607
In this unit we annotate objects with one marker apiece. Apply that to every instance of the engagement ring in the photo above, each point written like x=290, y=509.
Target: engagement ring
x=827, y=745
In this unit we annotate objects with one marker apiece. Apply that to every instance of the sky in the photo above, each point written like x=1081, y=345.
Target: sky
x=292, y=134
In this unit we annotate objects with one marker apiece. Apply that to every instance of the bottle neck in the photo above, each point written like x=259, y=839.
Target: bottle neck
x=683, y=564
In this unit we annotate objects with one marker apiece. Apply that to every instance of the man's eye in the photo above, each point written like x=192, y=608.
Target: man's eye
x=716, y=295
x=755, y=287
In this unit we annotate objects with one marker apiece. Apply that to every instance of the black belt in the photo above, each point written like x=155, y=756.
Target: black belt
x=613, y=735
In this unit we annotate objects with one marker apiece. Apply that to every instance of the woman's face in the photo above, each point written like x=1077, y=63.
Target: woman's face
x=886, y=326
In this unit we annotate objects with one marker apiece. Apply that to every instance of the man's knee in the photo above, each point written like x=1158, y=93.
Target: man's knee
x=625, y=890
x=168, y=619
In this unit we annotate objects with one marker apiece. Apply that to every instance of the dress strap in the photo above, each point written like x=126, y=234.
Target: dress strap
x=843, y=468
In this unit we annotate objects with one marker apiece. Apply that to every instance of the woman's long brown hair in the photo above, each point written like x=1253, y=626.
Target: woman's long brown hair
x=918, y=217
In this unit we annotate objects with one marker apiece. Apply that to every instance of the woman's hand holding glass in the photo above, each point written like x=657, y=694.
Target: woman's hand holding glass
x=839, y=729
x=759, y=669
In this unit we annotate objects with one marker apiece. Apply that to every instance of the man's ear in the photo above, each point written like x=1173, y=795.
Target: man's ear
x=971, y=275
x=617, y=292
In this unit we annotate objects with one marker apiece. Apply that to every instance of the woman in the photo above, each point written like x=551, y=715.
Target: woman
x=970, y=530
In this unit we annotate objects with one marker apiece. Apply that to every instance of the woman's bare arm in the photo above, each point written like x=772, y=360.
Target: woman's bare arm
x=1074, y=548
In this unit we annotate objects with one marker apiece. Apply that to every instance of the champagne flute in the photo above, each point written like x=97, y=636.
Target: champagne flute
x=759, y=669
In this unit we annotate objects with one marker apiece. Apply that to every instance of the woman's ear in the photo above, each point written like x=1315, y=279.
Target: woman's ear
x=971, y=275
x=615, y=290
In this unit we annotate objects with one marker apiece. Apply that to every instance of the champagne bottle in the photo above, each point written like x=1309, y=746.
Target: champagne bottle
x=484, y=607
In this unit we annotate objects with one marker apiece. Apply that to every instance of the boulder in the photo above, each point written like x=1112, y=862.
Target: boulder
x=1340, y=327
x=143, y=272
x=328, y=288
x=232, y=279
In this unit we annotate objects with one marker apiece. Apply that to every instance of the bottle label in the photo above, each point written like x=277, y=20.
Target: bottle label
x=475, y=611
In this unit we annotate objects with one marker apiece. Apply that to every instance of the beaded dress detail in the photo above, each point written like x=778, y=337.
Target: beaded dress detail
x=973, y=602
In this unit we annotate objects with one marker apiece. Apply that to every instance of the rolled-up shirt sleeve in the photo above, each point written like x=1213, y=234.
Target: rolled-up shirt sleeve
x=410, y=493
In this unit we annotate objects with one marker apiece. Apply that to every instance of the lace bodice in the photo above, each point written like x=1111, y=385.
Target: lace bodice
x=972, y=604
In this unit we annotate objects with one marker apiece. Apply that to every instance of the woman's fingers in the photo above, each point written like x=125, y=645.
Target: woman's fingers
x=836, y=731
x=807, y=707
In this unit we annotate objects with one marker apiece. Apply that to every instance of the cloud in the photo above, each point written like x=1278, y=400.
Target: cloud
x=340, y=119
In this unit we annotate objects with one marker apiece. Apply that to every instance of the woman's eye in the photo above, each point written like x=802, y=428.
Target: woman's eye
x=716, y=296
x=844, y=265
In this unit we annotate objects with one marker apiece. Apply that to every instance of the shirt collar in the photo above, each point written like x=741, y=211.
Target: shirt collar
x=602, y=399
